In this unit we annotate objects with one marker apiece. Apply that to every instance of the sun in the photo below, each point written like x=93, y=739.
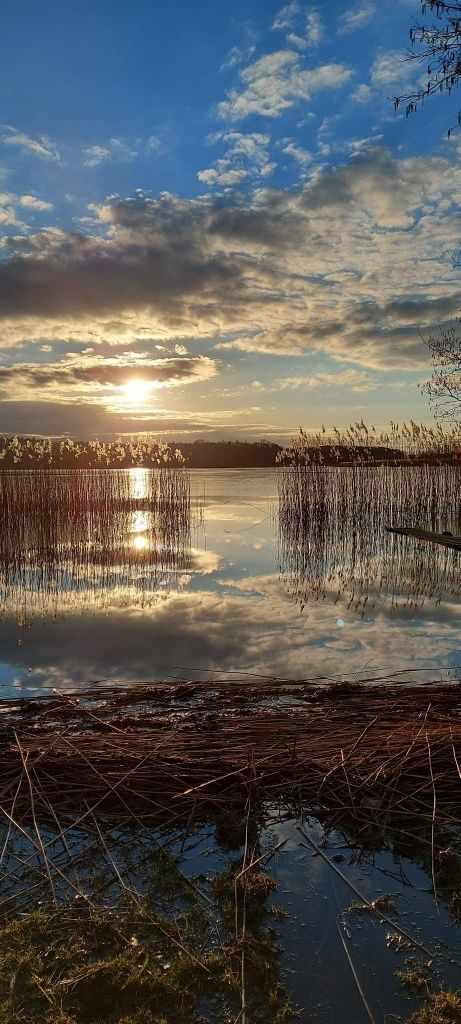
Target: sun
x=137, y=389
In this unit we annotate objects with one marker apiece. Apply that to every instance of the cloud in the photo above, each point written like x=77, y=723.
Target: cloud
x=99, y=376
x=356, y=381
x=9, y=203
x=350, y=263
x=222, y=174
x=245, y=154
x=40, y=146
x=286, y=16
x=118, y=150
x=300, y=155
x=80, y=419
x=362, y=94
x=8, y=215
x=32, y=203
x=314, y=28
x=356, y=17
x=95, y=155
x=237, y=55
x=304, y=27
x=385, y=337
x=276, y=82
x=391, y=68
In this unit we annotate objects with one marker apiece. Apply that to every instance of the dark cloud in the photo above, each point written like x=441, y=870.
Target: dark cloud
x=84, y=420
x=74, y=276
x=102, y=373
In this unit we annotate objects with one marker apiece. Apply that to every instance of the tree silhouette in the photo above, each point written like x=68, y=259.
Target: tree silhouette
x=444, y=387
x=438, y=45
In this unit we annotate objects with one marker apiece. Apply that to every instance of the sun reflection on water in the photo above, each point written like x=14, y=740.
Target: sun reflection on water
x=140, y=523
x=139, y=482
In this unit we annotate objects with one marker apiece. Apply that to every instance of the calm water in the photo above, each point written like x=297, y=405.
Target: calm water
x=100, y=580
x=127, y=575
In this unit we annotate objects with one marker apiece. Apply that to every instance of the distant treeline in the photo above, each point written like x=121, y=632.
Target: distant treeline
x=32, y=453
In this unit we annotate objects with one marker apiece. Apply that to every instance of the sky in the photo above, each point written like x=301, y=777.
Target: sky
x=212, y=221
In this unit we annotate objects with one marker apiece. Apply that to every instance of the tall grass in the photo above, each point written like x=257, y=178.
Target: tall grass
x=76, y=538
x=359, y=444
x=332, y=537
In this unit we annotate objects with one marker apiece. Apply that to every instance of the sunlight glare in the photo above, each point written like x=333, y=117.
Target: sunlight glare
x=137, y=389
x=140, y=542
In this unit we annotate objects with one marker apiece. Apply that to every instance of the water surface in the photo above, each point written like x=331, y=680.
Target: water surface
x=102, y=579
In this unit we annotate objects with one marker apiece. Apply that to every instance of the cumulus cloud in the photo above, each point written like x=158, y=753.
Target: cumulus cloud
x=276, y=82
x=7, y=210
x=356, y=17
x=351, y=263
x=245, y=154
x=222, y=174
x=9, y=203
x=40, y=146
x=300, y=155
x=32, y=203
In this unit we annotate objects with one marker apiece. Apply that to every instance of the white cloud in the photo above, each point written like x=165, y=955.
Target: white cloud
x=120, y=150
x=300, y=155
x=32, y=203
x=356, y=381
x=95, y=155
x=391, y=68
x=295, y=40
x=314, y=28
x=237, y=55
x=287, y=16
x=356, y=17
x=245, y=154
x=362, y=94
x=40, y=146
x=222, y=174
x=276, y=82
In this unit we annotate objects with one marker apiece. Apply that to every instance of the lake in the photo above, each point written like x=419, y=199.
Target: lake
x=113, y=576
x=99, y=582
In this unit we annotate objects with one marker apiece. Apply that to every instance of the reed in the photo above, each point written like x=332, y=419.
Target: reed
x=82, y=537
x=331, y=519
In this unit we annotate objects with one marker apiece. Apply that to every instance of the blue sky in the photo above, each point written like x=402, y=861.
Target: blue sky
x=212, y=221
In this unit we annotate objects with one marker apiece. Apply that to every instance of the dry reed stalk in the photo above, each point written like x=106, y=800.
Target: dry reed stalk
x=355, y=975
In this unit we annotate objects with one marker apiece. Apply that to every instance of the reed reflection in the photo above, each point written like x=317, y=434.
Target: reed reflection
x=82, y=539
x=333, y=543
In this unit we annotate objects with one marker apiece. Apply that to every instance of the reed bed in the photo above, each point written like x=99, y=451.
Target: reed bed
x=100, y=790
x=332, y=539
x=83, y=534
x=386, y=756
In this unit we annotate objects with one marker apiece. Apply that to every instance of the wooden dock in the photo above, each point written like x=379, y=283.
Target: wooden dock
x=446, y=539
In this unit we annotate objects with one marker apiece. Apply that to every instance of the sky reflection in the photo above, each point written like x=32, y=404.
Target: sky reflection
x=214, y=602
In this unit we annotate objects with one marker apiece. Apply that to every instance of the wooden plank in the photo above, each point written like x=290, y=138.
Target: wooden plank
x=446, y=539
